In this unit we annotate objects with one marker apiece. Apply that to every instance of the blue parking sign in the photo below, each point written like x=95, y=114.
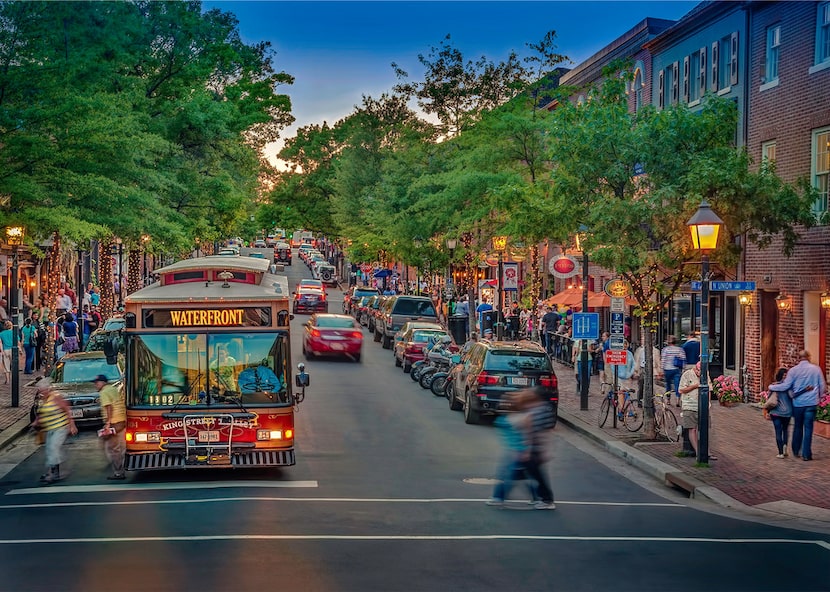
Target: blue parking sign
x=586, y=325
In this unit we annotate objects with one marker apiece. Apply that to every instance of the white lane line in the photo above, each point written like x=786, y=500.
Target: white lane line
x=335, y=537
x=59, y=489
x=309, y=499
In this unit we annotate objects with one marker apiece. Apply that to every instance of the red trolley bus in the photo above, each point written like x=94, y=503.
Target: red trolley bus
x=208, y=367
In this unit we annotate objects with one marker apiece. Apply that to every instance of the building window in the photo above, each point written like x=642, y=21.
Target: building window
x=701, y=79
x=733, y=59
x=821, y=168
x=773, y=45
x=768, y=151
x=686, y=71
x=715, y=64
x=675, y=82
x=694, y=81
x=638, y=90
x=823, y=33
x=661, y=90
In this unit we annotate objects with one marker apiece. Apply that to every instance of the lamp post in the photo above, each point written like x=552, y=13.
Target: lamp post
x=14, y=236
x=583, y=350
x=452, y=243
x=500, y=245
x=704, y=227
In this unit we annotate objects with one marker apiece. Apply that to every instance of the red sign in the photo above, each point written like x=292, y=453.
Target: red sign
x=616, y=357
x=365, y=268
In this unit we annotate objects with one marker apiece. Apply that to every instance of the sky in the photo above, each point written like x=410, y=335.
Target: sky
x=339, y=51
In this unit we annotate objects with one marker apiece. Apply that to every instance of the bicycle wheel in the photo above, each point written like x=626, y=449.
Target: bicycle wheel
x=669, y=426
x=603, y=412
x=632, y=416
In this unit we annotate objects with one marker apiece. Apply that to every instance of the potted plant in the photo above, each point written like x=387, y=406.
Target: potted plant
x=727, y=390
x=822, y=425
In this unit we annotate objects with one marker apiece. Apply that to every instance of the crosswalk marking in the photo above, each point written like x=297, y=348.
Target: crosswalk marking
x=59, y=489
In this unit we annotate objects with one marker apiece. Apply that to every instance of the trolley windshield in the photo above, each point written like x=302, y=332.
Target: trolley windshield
x=213, y=370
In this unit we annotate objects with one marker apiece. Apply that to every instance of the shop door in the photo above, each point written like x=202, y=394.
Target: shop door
x=769, y=330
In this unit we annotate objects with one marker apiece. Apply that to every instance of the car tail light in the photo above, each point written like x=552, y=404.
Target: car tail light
x=548, y=381
x=357, y=335
x=485, y=379
x=315, y=332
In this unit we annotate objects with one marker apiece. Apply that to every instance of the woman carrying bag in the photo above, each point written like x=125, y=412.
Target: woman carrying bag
x=779, y=406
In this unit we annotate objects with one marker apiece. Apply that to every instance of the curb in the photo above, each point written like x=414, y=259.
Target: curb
x=667, y=474
x=13, y=432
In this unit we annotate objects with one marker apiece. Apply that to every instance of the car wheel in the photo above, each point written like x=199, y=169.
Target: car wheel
x=306, y=355
x=407, y=368
x=471, y=416
x=377, y=335
x=454, y=404
x=356, y=358
x=386, y=343
x=398, y=363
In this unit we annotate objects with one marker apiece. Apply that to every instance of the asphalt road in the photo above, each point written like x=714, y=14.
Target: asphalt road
x=388, y=494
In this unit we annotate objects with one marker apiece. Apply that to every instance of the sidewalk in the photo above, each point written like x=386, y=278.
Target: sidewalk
x=746, y=473
x=15, y=420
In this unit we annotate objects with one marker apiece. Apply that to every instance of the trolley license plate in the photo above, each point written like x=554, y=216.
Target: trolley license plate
x=210, y=436
x=520, y=380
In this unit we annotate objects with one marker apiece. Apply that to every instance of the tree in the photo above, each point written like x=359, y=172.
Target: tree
x=634, y=179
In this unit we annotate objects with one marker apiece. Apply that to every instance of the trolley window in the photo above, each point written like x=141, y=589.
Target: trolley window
x=222, y=370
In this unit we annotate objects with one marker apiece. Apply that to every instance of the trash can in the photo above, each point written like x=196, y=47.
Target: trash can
x=457, y=326
x=488, y=317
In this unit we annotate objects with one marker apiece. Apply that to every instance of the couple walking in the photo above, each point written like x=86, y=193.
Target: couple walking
x=525, y=433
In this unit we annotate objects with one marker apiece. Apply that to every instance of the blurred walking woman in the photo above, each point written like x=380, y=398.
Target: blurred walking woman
x=780, y=416
x=6, y=347
x=55, y=420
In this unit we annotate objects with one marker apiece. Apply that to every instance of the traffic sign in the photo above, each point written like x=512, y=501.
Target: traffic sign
x=586, y=325
x=617, y=323
x=725, y=286
x=616, y=357
x=617, y=304
x=616, y=342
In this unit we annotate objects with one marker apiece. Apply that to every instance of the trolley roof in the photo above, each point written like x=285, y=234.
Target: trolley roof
x=269, y=286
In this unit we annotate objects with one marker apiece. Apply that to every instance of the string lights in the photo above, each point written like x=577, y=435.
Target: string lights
x=107, y=302
x=134, y=271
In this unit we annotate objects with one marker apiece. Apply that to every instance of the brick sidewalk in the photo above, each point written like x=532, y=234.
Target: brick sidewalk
x=744, y=443
x=10, y=415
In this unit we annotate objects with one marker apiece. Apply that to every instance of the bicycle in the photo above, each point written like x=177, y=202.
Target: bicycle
x=631, y=413
x=665, y=421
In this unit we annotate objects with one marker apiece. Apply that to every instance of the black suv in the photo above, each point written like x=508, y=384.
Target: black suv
x=397, y=311
x=490, y=369
x=282, y=253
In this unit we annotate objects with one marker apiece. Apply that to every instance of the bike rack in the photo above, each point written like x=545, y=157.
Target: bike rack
x=188, y=421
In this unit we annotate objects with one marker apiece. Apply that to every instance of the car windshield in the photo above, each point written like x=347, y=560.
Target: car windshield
x=517, y=360
x=364, y=292
x=335, y=322
x=223, y=370
x=424, y=336
x=84, y=370
x=414, y=307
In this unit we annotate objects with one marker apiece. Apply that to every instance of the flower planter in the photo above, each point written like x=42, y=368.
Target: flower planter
x=730, y=403
x=822, y=428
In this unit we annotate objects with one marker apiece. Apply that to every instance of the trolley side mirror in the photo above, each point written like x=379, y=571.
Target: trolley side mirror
x=302, y=378
x=111, y=350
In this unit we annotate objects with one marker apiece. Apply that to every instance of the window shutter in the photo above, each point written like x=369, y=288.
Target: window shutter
x=661, y=90
x=733, y=59
x=686, y=72
x=675, y=82
x=702, y=79
x=715, y=66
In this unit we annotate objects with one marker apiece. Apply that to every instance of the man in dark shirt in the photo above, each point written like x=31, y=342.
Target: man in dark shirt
x=550, y=321
x=692, y=349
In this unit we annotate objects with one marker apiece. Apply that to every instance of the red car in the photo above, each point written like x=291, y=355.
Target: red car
x=332, y=335
x=310, y=300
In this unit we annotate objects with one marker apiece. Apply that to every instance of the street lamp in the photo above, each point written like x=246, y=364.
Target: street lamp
x=704, y=227
x=583, y=353
x=452, y=243
x=14, y=236
x=500, y=245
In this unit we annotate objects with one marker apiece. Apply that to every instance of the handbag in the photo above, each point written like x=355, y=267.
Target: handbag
x=772, y=401
x=679, y=362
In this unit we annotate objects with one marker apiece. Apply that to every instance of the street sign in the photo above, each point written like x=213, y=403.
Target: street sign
x=586, y=325
x=616, y=288
x=616, y=342
x=616, y=358
x=617, y=304
x=617, y=323
x=725, y=286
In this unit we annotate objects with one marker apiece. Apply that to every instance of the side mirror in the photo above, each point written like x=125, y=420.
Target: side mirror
x=302, y=378
x=111, y=350
x=456, y=359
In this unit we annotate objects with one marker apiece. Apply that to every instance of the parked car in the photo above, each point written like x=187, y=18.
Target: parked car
x=310, y=300
x=311, y=283
x=411, y=345
x=71, y=378
x=260, y=244
x=354, y=294
x=332, y=335
x=490, y=369
x=326, y=273
x=397, y=310
x=367, y=318
x=282, y=253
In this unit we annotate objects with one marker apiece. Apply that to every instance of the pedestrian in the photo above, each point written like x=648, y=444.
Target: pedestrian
x=576, y=359
x=6, y=347
x=640, y=367
x=604, y=346
x=70, y=334
x=462, y=309
x=95, y=319
x=54, y=418
x=780, y=415
x=542, y=423
x=63, y=302
x=672, y=362
x=42, y=308
x=115, y=421
x=4, y=315
x=692, y=349
x=515, y=430
x=480, y=310
x=688, y=387
x=28, y=335
x=549, y=325
x=806, y=381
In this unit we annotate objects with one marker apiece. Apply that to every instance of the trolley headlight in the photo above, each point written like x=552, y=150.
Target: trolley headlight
x=148, y=437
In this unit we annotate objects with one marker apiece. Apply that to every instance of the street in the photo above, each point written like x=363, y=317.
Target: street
x=387, y=494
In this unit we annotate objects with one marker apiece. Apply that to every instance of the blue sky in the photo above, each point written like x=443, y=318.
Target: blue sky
x=338, y=51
